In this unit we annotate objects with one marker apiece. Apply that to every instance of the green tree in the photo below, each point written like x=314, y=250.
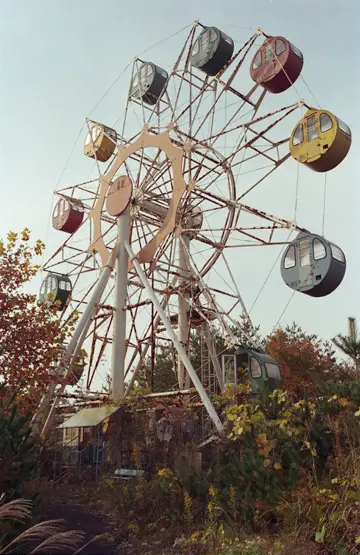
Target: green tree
x=163, y=376
x=17, y=448
x=350, y=344
x=248, y=334
x=106, y=385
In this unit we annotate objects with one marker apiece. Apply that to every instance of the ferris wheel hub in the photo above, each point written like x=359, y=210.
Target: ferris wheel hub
x=119, y=195
x=175, y=155
x=188, y=146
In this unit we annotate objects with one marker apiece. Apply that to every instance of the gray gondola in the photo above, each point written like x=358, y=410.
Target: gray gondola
x=313, y=265
x=149, y=83
x=211, y=51
x=56, y=288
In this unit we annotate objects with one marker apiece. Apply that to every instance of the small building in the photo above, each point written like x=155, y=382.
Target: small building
x=82, y=434
x=141, y=435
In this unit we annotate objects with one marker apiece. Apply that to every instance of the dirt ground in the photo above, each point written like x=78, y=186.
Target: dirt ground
x=78, y=513
x=80, y=509
x=77, y=517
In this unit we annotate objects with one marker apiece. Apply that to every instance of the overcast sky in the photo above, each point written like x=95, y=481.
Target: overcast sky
x=59, y=58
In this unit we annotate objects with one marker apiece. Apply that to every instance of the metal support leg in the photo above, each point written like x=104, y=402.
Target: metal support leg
x=213, y=356
x=119, y=330
x=183, y=307
x=74, y=344
x=172, y=335
x=147, y=346
x=217, y=307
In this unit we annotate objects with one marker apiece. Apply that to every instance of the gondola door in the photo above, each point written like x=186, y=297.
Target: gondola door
x=305, y=262
x=312, y=137
x=269, y=61
x=205, y=42
x=63, y=208
x=325, y=127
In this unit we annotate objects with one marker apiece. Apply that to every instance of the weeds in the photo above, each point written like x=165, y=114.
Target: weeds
x=49, y=536
x=285, y=481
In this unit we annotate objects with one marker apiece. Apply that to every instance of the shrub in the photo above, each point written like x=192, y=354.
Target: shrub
x=18, y=454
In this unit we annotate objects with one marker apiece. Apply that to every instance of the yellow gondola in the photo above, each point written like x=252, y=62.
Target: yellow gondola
x=100, y=142
x=320, y=140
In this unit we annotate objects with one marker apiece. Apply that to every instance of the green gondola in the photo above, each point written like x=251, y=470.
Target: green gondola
x=263, y=370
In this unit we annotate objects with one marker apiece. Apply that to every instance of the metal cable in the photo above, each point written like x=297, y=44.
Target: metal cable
x=297, y=181
x=109, y=89
x=283, y=312
x=56, y=187
x=271, y=271
x=69, y=157
x=296, y=192
x=324, y=205
x=291, y=297
x=130, y=63
x=310, y=91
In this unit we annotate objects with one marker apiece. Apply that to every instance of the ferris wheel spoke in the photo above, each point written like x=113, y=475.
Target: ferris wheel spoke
x=262, y=134
x=141, y=234
x=163, y=187
x=162, y=254
x=138, y=176
x=153, y=171
x=225, y=88
x=133, y=329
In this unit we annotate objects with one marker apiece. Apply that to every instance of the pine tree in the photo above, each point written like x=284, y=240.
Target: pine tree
x=17, y=448
x=350, y=344
x=248, y=334
x=163, y=376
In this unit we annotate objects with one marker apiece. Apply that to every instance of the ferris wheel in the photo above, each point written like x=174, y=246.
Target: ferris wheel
x=150, y=243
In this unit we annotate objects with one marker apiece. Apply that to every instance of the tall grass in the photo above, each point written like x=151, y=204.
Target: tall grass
x=45, y=537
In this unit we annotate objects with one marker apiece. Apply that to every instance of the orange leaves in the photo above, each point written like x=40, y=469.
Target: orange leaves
x=30, y=335
x=265, y=446
x=303, y=358
x=39, y=248
x=12, y=238
x=25, y=234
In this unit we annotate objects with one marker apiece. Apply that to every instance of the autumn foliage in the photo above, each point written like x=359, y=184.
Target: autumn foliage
x=304, y=359
x=31, y=334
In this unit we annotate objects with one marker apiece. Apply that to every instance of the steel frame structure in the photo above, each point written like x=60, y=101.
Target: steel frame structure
x=184, y=166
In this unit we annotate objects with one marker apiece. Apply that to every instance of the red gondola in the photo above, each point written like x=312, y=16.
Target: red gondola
x=68, y=215
x=276, y=65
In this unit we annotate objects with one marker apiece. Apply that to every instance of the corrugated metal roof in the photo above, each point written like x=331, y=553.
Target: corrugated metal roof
x=86, y=418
